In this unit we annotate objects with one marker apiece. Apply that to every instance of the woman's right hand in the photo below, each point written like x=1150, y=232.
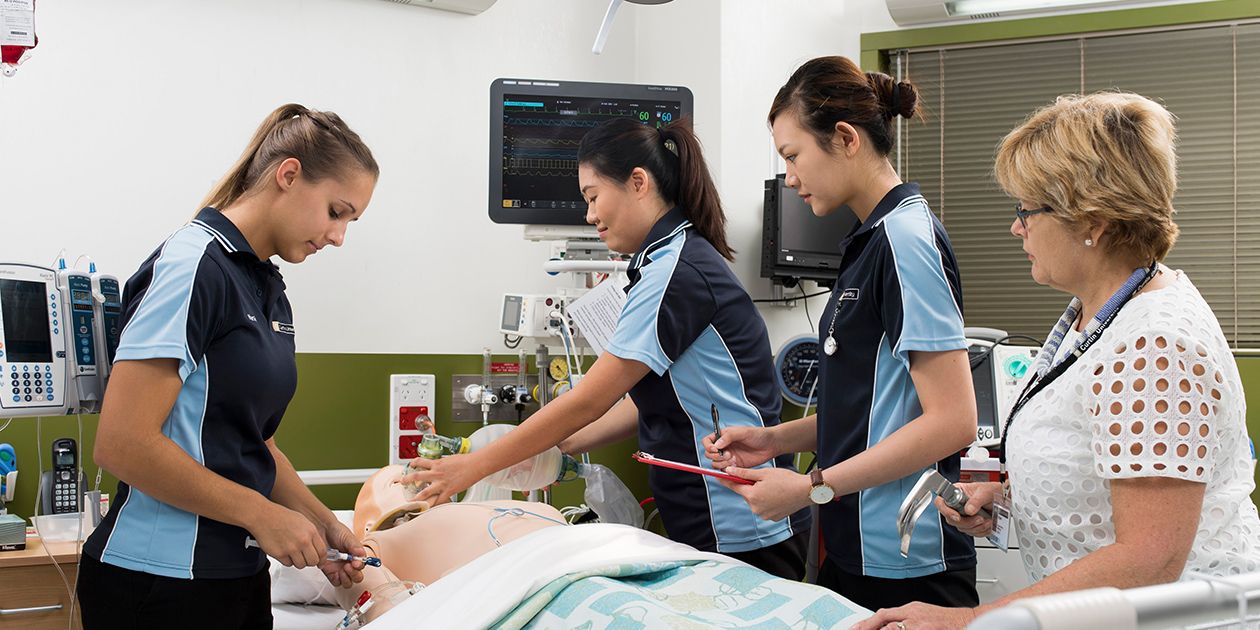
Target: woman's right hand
x=743, y=447
x=289, y=537
x=979, y=495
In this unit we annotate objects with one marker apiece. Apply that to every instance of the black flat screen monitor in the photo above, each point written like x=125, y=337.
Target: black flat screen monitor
x=26, y=335
x=796, y=244
x=535, y=128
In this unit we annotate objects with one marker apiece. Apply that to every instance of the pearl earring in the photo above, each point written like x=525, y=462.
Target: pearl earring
x=1089, y=242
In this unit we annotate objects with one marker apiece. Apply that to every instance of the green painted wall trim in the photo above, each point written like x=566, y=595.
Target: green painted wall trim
x=338, y=419
x=876, y=44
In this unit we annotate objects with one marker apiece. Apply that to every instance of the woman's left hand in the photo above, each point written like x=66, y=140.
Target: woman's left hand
x=777, y=494
x=918, y=616
x=338, y=572
x=446, y=477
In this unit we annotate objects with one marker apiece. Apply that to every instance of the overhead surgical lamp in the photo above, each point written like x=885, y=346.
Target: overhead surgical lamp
x=602, y=36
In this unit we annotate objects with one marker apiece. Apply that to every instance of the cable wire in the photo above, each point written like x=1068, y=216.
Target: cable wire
x=791, y=299
x=805, y=301
x=980, y=358
x=39, y=491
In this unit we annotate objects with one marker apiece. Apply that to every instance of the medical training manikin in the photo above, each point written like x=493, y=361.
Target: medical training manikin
x=417, y=544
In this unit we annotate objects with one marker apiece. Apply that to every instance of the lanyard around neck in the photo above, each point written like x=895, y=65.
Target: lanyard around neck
x=1046, y=371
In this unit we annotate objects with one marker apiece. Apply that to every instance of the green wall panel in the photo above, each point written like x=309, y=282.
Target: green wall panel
x=338, y=419
x=22, y=433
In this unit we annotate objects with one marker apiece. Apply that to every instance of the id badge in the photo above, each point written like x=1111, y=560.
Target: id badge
x=1000, y=535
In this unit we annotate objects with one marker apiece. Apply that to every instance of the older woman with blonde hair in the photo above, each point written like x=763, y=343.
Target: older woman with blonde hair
x=1127, y=451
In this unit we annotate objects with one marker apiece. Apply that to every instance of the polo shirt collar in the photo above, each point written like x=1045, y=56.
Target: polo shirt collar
x=224, y=231
x=891, y=200
x=661, y=233
x=228, y=236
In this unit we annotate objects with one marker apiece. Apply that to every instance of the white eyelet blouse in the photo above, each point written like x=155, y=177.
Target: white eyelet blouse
x=1158, y=395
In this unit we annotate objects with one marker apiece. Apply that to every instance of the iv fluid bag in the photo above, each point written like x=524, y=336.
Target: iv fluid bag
x=534, y=473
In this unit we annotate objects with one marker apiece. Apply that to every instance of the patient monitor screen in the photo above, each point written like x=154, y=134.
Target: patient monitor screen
x=25, y=307
x=540, y=143
x=511, y=312
x=535, y=129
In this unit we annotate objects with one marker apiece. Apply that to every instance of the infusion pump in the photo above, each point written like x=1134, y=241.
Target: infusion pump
x=51, y=362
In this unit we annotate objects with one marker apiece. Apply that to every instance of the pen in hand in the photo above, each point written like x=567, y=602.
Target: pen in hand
x=717, y=428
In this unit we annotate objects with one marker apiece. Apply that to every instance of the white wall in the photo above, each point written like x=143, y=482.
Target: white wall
x=112, y=133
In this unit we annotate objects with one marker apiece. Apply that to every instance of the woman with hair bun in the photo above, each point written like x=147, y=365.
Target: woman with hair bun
x=895, y=392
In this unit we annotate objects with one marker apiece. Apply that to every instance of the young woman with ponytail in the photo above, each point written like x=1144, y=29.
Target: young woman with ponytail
x=689, y=348
x=895, y=391
x=204, y=370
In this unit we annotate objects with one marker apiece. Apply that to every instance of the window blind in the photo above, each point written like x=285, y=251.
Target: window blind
x=972, y=96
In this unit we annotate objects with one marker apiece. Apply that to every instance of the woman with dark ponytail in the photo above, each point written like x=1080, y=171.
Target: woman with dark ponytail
x=203, y=372
x=689, y=348
x=895, y=391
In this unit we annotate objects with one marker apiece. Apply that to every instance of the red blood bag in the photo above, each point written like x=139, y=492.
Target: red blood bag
x=19, y=26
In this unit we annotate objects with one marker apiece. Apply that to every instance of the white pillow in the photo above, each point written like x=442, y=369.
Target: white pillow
x=304, y=586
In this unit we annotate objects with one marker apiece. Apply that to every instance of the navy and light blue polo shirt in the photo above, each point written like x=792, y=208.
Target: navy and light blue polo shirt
x=688, y=319
x=205, y=299
x=897, y=291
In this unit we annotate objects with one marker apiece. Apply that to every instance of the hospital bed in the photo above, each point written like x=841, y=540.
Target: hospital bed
x=594, y=575
x=1197, y=603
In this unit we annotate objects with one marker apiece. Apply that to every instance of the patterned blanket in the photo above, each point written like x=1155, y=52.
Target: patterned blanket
x=705, y=594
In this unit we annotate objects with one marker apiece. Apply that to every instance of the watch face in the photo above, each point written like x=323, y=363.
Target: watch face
x=821, y=494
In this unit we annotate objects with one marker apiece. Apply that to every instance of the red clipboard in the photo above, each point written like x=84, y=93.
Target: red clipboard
x=712, y=472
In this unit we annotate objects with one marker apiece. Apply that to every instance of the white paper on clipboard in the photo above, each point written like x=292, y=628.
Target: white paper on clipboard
x=596, y=313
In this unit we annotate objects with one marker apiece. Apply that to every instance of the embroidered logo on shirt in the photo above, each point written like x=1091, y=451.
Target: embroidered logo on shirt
x=282, y=327
x=251, y=317
x=849, y=294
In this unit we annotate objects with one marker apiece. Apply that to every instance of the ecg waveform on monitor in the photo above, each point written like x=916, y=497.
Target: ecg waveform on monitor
x=541, y=135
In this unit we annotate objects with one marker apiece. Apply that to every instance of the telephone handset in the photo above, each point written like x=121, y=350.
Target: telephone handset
x=62, y=487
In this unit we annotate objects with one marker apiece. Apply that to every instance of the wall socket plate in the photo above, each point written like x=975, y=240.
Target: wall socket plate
x=461, y=411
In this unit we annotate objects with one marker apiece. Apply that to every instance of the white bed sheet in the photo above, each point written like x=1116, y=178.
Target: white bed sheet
x=306, y=617
x=481, y=592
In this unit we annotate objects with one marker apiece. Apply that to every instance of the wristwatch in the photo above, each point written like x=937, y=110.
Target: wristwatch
x=819, y=491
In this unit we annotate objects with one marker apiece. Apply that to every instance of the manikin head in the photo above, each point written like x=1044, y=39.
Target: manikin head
x=383, y=501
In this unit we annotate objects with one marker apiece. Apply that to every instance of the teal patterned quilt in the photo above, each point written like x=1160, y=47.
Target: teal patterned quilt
x=691, y=594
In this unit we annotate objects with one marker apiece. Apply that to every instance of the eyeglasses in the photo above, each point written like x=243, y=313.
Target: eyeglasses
x=1023, y=214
